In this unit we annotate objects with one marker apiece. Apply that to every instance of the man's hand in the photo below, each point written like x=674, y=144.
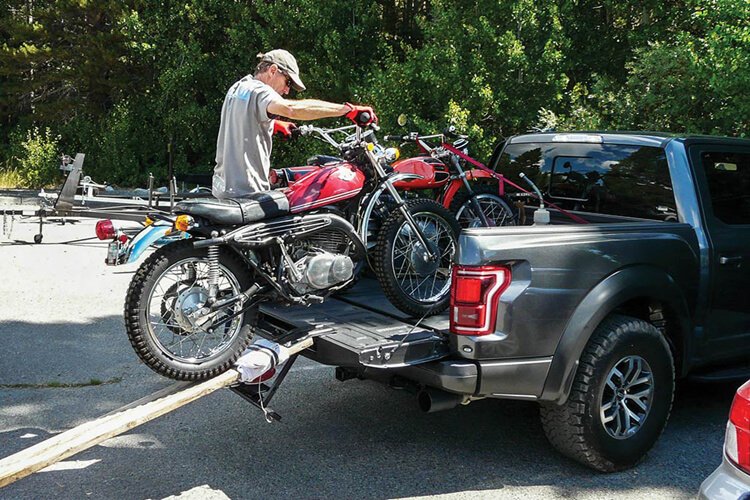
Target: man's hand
x=359, y=115
x=284, y=129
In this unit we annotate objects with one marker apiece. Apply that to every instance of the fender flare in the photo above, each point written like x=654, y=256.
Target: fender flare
x=372, y=199
x=616, y=289
x=144, y=239
x=456, y=185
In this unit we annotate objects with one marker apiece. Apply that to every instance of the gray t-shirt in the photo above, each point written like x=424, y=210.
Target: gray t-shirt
x=243, y=149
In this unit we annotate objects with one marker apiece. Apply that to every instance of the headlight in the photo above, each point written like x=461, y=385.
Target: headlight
x=391, y=154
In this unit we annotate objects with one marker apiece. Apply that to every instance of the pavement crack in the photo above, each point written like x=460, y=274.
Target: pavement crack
x=62, y=385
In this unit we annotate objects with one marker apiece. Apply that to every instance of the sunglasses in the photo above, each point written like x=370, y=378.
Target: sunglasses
x=288, y=79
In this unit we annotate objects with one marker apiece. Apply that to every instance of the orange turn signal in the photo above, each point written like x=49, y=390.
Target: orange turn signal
x=183, y=222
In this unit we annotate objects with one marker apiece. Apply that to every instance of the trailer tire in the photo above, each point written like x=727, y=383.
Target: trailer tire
x=626, y=373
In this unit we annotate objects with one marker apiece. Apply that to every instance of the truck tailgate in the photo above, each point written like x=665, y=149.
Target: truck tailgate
x=365, y=330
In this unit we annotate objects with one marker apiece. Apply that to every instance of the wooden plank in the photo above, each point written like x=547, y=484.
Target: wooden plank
x=70, y=442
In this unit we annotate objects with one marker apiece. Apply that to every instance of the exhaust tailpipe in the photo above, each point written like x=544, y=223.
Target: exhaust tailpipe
x=432, y=400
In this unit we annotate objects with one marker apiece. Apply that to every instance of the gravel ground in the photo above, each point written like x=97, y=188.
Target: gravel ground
x=66, y=360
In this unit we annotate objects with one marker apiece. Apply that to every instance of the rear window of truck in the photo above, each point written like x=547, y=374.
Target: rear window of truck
x=608, y=179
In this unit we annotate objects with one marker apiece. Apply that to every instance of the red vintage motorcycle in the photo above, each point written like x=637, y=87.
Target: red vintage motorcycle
x=191, y=305
x=476, y=196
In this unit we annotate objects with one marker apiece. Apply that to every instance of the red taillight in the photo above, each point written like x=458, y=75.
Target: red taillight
x=105, y=230
x=474, y=293
x=737, y=442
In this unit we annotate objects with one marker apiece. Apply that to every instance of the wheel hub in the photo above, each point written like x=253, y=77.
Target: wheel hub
x=627, y=397
x=188, y=303
x=420, y=258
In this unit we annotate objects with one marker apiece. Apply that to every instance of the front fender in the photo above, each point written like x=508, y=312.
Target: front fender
x=615, y=290
x=372, y=199
x=472, y=175
x=147, y=237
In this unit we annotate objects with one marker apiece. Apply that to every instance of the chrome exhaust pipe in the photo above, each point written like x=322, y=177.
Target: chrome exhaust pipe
x=432, y=400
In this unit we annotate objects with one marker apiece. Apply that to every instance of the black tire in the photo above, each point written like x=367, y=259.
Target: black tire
x=146, y=340
x=494, y=206
x=577, y=428
x=393, y=231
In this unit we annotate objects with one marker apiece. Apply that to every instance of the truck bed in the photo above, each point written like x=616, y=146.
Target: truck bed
x=362, y=329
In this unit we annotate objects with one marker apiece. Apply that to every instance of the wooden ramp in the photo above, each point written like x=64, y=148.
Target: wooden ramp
x=85, y=436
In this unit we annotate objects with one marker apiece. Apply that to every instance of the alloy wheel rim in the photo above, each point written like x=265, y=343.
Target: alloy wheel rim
x=627, y=397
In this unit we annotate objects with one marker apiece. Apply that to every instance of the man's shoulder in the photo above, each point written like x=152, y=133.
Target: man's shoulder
x=251, y=83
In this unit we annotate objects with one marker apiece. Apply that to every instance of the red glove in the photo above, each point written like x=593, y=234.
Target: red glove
x=284, y=129
x=355, y=114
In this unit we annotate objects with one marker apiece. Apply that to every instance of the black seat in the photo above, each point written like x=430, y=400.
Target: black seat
x=253, y=207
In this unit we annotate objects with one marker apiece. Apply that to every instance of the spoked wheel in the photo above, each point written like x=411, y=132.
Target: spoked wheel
x=496, y=210
x=413, y=281
x=168, y=318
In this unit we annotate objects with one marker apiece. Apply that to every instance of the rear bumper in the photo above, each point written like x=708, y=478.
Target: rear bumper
x=726, y=482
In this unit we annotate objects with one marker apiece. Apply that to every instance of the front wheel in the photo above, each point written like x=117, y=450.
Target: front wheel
x=413, y=281
x=495, y=209
x=620, y=400
x=168, y=320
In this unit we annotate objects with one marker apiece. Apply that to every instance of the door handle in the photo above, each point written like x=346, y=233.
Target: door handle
x=727, y=261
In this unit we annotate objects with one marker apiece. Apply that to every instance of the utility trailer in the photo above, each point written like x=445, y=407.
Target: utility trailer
x=131, y=205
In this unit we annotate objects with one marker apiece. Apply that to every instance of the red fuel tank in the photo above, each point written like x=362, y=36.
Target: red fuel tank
x=434, y=173
x=327, y=185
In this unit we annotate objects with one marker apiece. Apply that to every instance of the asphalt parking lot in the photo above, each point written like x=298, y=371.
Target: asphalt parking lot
x=66, y=360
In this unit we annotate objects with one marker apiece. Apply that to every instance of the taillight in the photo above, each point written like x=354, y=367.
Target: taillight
x=105, y=230
x=474, y=293
x=737, y=442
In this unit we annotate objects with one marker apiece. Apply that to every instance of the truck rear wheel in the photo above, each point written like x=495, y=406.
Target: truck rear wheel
x=620, y=400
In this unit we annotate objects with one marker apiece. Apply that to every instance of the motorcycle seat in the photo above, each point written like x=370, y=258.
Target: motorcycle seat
x=234, y=211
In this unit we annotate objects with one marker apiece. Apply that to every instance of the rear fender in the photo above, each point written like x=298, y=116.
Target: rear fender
x=147, y=237
x=614, y=291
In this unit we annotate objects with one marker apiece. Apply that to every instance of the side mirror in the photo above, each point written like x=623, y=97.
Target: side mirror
x=402, y=120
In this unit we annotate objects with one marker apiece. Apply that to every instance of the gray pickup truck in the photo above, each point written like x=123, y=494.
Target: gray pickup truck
x=594, y=321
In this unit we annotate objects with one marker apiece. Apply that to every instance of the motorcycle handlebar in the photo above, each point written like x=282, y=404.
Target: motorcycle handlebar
x=395, y=138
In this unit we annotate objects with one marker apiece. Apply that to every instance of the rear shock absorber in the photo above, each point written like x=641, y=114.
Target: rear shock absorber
x=213, y=272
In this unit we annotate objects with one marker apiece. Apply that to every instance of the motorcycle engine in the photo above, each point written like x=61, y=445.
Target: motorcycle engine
x=321, y=271
x=319, y=263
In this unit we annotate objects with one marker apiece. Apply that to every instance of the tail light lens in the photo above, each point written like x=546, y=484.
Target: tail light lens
x=737, y=442
x=105, y=230
x=474, y=293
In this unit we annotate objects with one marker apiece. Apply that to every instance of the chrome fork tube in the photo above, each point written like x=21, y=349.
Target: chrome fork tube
x=400, y=201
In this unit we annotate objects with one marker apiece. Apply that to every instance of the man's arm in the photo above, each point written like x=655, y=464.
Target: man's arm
x=307, y=109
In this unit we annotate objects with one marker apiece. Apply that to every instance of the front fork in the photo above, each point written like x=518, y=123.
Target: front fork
x=473, y=199
x=401, y=206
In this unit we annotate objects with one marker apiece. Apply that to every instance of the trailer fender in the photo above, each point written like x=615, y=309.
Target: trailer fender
x=612, y=292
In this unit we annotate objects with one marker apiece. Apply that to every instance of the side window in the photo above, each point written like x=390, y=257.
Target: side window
x=728, y=179
x=607, y=179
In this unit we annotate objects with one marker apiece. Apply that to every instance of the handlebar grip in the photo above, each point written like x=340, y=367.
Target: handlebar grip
x=363, y=118
x=392, y=137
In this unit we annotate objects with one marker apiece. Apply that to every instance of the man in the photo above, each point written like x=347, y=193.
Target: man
x=243, y=149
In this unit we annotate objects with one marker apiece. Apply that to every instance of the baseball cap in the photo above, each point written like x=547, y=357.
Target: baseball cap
x=287, y=63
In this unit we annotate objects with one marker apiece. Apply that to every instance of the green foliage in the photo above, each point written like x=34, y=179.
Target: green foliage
x=121, y=81
x=36, y=158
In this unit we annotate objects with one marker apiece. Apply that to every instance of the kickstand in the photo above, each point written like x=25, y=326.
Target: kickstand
x=261, y=394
